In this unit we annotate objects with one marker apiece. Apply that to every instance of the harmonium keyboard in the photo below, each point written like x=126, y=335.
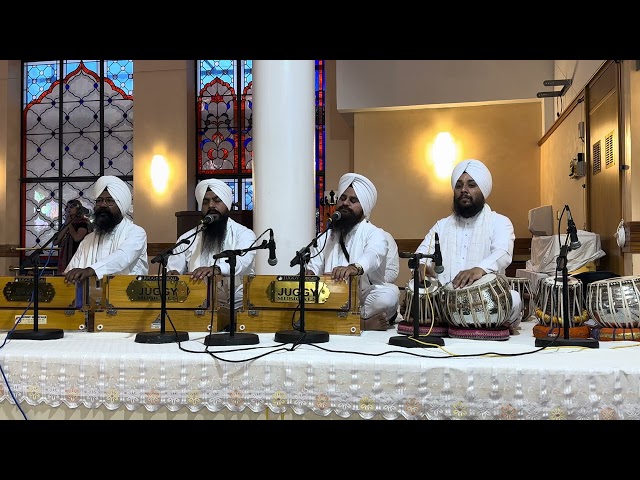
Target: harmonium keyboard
x=133, y=303
x=271, y=303
x=60, y=305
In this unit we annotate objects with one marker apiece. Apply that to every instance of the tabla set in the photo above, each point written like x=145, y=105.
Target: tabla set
x=613, y=304
x=478, y=311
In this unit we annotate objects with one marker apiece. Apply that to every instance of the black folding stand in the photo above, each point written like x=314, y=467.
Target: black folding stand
x=37, y=333
x=162, y=336
x=566, y=341
x=302, y=335
x=416, y=340
x=231, y=337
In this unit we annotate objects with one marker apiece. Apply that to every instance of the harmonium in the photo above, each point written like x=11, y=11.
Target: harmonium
x=59, y=305
x=271, y=303
x=133, y=303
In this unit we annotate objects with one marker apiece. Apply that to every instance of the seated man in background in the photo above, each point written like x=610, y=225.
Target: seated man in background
x=116, y=245
x=75, y=228
x=215, y=198
x=474, y=240
x=354, y=246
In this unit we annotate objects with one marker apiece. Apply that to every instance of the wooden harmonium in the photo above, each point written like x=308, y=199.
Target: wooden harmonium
x=133, y=303
x=271, y=303
x=60, y=305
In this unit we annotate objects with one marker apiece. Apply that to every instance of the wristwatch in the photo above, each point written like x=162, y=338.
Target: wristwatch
x=359, y=268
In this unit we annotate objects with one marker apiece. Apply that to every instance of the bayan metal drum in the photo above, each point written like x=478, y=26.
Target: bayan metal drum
x=431, y=317
x=614, y=304
x=479, y=311
x=549, y=309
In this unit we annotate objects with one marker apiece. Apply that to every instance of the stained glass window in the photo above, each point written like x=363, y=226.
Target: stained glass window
x=225, y=120
x=77, y=125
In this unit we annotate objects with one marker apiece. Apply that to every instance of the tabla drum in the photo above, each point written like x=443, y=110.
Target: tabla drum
x=523, y=287
x=614, y=304
x=431, y=319
x=479, y=311
x=550, y=305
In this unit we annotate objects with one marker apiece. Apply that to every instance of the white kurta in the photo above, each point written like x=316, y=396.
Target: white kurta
x=485, y=240
x=367, y=246
x=121, y=252
x=238, y=237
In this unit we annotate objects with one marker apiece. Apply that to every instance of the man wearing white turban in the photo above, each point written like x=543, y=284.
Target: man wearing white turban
x=474, y=240
x=216, y=233
x=354, y=246
x=117, y=245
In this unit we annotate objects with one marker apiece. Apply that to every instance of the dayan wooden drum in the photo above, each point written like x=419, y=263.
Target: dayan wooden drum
x=431, y=317
x=614, y=304
x=523, y=287
x=549, y=309
x=479, y=311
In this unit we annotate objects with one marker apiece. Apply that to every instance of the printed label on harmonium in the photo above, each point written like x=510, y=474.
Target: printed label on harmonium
x=148, y=289
x=287, y=291
x=28, y=319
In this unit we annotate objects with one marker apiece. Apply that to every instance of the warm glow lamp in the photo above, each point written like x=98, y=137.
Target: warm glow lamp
x=443, y=153
x=159, y=173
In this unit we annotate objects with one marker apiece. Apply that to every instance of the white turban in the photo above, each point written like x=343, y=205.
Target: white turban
x=118, y=189
x=220, y=188
x=478, y=171
x=365, y=190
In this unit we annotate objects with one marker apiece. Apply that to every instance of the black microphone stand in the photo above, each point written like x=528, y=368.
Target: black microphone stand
x=565, y=341
x=231, y=337
x=302, y=335
x=37, y=333
x=162, y=336
x=416, y=340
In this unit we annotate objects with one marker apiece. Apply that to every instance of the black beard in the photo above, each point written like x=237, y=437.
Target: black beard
x=346, y=222
x=213, y=234
x=469, y=211
x=105, y=221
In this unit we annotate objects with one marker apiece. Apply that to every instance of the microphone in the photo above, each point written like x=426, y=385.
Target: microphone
x=335, y=217
x=437, y=256
x=207, y=220
x=272, y=249
x=572, y=231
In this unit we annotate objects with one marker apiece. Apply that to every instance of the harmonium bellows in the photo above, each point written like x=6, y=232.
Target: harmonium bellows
x=59, y=304
x=271, y=303
x=133, y=303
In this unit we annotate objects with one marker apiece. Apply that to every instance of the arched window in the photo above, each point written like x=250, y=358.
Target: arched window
x=224, y=130
x=77, y=125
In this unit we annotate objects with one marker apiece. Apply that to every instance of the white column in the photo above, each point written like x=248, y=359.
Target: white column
x=284, y=152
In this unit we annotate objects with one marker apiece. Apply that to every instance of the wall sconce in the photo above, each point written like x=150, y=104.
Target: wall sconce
x=443, y=153
x=159, y=173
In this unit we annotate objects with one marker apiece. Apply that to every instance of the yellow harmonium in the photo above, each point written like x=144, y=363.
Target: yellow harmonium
x=133, y=303
x=60, y=305
x=271, y=303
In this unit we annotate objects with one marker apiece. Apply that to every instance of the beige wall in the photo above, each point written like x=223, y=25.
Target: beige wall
x=556, y=187
x=393, y=150
x=164, y=115
x=10, y=106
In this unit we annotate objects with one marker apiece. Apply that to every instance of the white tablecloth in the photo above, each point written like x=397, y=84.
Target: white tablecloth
x=346, y=377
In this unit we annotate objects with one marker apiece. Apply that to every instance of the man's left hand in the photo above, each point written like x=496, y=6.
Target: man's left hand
x=201, y=273
x=343, y=273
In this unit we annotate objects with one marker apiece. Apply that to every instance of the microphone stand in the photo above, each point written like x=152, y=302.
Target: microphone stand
x=416, y=340
x=566, y=341
x=162, y=336
x=231, y=337
x=36, y=333
x=302, y=336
